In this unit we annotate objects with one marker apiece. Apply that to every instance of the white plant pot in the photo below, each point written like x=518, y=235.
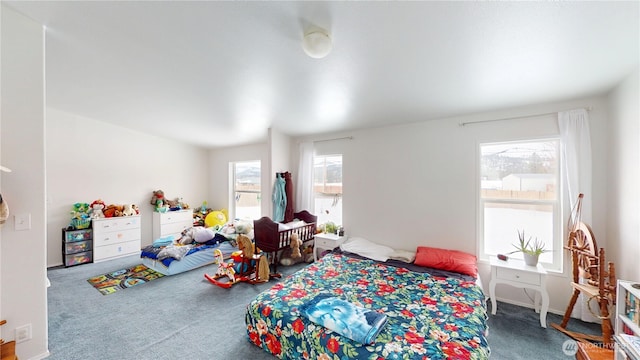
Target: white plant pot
x=531, y=260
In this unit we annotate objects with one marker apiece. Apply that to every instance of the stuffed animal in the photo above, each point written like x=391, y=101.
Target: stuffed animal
x=292, y=255
x=128, y=210
x=80, y=217
x=97, y=207
x=158, y=199
x=4, y=210
x=113, y=210
x=307, y=254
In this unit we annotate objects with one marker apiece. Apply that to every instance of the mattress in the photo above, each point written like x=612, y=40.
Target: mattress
x=429, y=315
x=190, y=261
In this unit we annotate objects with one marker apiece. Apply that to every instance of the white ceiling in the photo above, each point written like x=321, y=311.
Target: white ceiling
x=221, y=73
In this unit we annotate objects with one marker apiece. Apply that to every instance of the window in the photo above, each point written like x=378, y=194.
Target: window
x=246, y=190
x=327, y=188
x=519, y=192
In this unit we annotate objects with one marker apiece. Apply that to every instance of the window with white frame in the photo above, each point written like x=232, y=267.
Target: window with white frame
x=327, y=188
x=246, y=190
x=519, y=191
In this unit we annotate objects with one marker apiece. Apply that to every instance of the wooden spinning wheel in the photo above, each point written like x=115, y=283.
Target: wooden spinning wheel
x=589, y=277
x=582, y=241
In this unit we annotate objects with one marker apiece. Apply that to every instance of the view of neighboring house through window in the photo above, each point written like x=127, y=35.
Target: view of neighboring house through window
x=327, y=188
x=519, y=191
x=246, y=190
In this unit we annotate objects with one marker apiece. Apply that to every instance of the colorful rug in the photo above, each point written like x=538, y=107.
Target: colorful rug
x=122, y=279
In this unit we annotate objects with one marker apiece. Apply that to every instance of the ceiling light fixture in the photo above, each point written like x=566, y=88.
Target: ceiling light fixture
x=317, y=44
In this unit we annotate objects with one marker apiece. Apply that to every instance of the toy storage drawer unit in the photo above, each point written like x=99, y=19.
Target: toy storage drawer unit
x=77, y=259
x=116, y=237
x=171, y=223
x=76, y=235
x=77, y=246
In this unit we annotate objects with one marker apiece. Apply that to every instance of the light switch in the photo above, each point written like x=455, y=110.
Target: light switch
x=22, y=221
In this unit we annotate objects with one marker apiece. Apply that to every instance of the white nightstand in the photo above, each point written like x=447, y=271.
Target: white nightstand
x=326, y=242
x=516, y=273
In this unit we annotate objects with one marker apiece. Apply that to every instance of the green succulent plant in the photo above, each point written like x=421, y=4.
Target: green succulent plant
x=529, y=246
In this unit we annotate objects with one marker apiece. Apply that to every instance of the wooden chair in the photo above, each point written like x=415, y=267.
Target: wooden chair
x=590, y=278
x=8, y=348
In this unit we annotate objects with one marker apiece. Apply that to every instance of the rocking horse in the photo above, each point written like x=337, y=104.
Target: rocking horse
x=247, y=266
x=589, y=278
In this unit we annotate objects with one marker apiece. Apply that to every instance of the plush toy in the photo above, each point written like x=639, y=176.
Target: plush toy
x=80, y=217
x=97, y=207
x=4, y=210
x=158, y=199
x=307, y=254
x=113, y=210
x=295, y=246
x=292, y=255
x=128, y=210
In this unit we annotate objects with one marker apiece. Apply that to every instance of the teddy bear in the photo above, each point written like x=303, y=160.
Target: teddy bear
x=292, y=255
x=295, y=246
x=128, y=210
x=97, y=207
x=113, y=210
x=158, y=199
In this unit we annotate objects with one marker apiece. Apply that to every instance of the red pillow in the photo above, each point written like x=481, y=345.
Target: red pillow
x=450, y=260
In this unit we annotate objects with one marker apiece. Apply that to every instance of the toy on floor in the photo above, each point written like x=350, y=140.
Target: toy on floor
x=225, y=270
x=247, y=266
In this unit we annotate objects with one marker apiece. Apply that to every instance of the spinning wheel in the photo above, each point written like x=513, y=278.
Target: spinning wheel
x=589, y=277
x=582, y=241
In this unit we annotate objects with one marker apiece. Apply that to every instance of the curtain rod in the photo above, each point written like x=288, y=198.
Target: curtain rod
x=340, y=138
x=589, y=108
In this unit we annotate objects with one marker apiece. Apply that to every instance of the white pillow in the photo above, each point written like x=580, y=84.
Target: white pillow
x=403, y=255
x=366, y=248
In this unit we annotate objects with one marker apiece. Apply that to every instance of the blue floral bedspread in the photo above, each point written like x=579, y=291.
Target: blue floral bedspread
x=429, y=317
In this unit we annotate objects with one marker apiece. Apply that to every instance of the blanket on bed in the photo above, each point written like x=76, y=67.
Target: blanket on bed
x=428, y=316
x=344, y=317
x=174, y=253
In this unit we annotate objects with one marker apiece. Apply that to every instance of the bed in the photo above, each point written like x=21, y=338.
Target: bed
x=196, y=256
x=430, y=313
x=272, y=237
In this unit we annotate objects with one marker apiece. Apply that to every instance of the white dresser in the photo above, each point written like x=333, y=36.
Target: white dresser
x=116, y=237
x=171, y=223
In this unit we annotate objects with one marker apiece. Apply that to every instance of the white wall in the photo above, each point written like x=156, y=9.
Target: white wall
x=416, y=184
x=89, y=159
x=624, y=174
x=279, y=159
x=219, y=183
x=22, y=129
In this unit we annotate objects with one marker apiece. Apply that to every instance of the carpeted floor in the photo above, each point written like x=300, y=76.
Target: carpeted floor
x=183, y=316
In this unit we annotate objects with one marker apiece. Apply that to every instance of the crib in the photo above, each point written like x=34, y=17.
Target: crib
x=272, y=237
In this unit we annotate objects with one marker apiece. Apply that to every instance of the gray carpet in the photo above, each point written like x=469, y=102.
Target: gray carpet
x=185, y=317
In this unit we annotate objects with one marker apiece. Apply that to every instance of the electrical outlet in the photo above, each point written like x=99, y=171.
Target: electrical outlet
x=23, y=333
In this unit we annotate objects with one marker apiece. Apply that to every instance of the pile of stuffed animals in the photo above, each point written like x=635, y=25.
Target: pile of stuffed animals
x=161, y=204
x=83, y=213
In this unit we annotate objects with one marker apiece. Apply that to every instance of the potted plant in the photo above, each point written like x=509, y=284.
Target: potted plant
x=531, y=250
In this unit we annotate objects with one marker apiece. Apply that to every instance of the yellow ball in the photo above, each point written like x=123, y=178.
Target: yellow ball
x=215, y=218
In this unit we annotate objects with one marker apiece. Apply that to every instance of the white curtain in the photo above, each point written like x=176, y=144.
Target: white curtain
x=304, y=193
x=576, y=157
